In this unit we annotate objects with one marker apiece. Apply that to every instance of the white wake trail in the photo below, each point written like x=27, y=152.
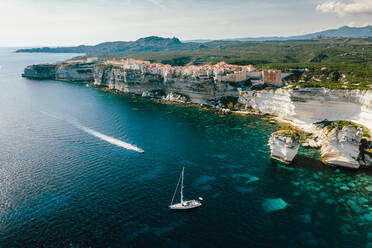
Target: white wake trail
x=109, y=139
x=99, y=135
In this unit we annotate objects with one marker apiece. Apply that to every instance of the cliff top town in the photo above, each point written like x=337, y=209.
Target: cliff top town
x=220, y=72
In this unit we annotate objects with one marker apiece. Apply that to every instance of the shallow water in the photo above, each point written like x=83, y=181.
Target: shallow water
x=61, y=186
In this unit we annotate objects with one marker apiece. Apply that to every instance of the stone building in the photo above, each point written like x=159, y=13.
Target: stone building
x=272, y=77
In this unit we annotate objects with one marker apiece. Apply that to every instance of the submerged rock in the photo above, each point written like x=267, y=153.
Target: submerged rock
x=249, y=178
x=284, y=145
x=271, y=205
x=341, y=147
x=306, y=218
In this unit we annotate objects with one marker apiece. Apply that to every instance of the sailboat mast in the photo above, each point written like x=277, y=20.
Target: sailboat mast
x=183, y=169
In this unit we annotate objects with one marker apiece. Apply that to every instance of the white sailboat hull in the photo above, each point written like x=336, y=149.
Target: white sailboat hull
x=186, y=205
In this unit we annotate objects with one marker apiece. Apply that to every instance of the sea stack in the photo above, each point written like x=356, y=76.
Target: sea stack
x=284, y=145
x=341, y=147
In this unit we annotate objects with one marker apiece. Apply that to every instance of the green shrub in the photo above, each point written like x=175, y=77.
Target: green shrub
x=340, y=124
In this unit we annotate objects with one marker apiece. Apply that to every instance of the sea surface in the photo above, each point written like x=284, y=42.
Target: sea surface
x=69, y=178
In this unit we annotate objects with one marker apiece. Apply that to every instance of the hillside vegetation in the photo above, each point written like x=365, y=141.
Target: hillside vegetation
x=152, y=43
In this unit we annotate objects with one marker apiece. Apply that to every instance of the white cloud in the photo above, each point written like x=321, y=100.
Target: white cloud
x=355, y=7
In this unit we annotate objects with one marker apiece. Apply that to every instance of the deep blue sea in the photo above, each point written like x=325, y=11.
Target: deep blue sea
x=63, y=184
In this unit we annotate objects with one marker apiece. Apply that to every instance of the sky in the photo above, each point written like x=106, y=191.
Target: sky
x=75, y=22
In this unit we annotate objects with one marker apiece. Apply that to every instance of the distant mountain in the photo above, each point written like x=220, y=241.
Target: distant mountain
x=344, y=31
x=148, y=44
x=159, y=44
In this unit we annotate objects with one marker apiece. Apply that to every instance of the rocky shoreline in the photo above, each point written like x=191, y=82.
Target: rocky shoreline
x=345, y=146
x=340, y=145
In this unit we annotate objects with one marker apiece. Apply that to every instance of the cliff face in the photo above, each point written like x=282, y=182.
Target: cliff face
x=200, y=91
x=206, y=92
x=342, y=147
x=75, y=72
x=284, y=145
x=129, y=81
x=44, y=71
x=302, y=107
x=69, y=72
x=308, y=105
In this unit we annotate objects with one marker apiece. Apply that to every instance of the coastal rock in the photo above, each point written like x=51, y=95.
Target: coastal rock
x=341, y=147
x=148, y=94
x=311, y=143
x=225, y=110
x=365, y=157
x=304, y=106
x=40, y=72
x=64, y=71
x=284, y=145
x=75, y=72
x=301, y=107
x=174, y=97
x=366, y=160
x=205, y=91
x=153, y=94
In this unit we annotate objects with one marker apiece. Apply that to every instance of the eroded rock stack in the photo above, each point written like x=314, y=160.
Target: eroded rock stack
x=284, y=145
x=341, y=147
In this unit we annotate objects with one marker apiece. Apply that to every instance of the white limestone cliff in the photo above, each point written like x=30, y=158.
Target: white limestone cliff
x=75, y=72
x=302, y=107
x=284, y=145
x=174, y=97
x=341, y=147
x=305, y=106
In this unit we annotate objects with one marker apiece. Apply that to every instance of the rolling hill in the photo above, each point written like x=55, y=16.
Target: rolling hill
x=148, y=44
x=344, y=31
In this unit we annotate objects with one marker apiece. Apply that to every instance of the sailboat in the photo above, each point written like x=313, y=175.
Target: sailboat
x=183, y=204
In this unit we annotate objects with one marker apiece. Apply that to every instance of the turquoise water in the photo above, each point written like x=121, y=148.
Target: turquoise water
x=61, y=186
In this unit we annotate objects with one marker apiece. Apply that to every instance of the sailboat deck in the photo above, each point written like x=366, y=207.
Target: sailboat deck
x=186, y=205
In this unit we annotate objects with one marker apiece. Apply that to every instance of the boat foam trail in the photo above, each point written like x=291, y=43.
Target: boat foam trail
x=97, y=134
x=109, y=139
